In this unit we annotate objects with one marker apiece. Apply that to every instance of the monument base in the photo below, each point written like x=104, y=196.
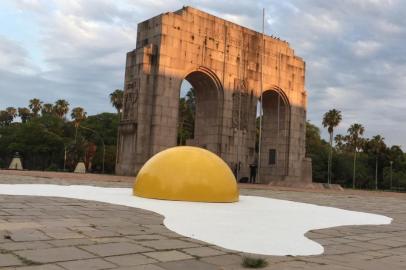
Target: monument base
x=306, y=185
x=16, y=164
x=80, y=168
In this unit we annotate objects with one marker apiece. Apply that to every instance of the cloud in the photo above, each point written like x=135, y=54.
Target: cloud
x=354, y=51
x=322, y=23
x=358, y=66
x=13, y=56
x=366, y=48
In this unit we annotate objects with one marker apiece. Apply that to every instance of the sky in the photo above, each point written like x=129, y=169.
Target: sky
x=354, y=50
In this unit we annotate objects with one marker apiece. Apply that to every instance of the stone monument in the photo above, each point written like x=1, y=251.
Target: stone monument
x=226, y=64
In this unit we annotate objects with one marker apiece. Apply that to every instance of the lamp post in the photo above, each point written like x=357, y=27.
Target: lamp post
x=64, y=158
x=101, y=138
x=391, y=163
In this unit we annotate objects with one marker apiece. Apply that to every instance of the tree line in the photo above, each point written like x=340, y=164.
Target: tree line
x=47, y=140
x=353, y=160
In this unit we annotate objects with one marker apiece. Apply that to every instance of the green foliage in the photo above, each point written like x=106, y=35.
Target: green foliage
x=318, y=150
x=5, y=118
x=372, y=154
x=78, y=115
x=24, y=114
x=117, y=99
x=186, y=123
x=104, y=127
x=37, y=145
x=331, y=119
x=47, y=108
x=61, y=108
x=105, y=124
x=109, y=162
x=35, y=105
x=398, y=179
x=342, y=168
x=249, y=262
x=42, y=140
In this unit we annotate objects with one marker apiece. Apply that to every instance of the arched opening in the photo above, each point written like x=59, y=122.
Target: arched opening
x=274, y=136
x=200, y=104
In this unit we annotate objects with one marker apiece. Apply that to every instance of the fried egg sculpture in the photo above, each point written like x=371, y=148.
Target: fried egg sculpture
x=186, y=173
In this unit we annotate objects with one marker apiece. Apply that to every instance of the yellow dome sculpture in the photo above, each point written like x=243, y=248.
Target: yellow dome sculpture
x=186, y=173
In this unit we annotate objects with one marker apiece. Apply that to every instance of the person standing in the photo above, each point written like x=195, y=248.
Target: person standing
x=253, y=172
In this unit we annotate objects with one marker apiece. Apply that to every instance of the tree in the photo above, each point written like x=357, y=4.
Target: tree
x=12, y=112
x=78, y=115
x=35, y=105
x=47, y=108
x=104, y=128
x=24, y=114
x=61, y=108
x=341, y=143
x=117, y=100
x=317, y=149
x=331, y=119
x=186, y=119
x=376, y=146
x=396, y=154
x=7, y=116
x=104, y=124
x=355, y=140
x=4, y=118
x=35, y=143
x=396, y=159
x=191, y=100
x=182, y=133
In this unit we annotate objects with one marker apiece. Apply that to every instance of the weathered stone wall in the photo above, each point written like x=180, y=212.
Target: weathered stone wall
x=222, y=61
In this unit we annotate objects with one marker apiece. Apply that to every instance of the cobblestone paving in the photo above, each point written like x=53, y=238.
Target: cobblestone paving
x=57, y=233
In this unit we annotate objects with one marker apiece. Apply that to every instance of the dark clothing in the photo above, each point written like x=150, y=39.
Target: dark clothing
x=253, y=173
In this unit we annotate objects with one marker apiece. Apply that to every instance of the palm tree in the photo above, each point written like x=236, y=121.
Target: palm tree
x=187, y=108
x=355, y=132
x=340, y=142
x=331, y=119
x=377, y=146
x=4, y=118
x=47, y=108
x=24, y=114
x=191, y=100
x=78, y=115
x=12, y=113
x=35, y=106
x=7, y=116
x=117, y=100
x=61, y=108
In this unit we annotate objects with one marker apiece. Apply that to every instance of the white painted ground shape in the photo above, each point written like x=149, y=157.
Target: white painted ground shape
x=254, y=224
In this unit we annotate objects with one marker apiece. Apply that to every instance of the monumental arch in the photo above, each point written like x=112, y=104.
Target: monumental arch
x=224, y=62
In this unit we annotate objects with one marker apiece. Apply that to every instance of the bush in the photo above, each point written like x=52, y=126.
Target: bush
x=249, y=262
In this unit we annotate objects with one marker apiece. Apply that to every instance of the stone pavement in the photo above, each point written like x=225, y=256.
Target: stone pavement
x=56, y=233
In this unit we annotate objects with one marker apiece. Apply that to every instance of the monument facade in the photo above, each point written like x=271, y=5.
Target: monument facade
x=226, y=64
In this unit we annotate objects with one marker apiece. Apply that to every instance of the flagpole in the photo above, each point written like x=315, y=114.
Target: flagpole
x=261, y=97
